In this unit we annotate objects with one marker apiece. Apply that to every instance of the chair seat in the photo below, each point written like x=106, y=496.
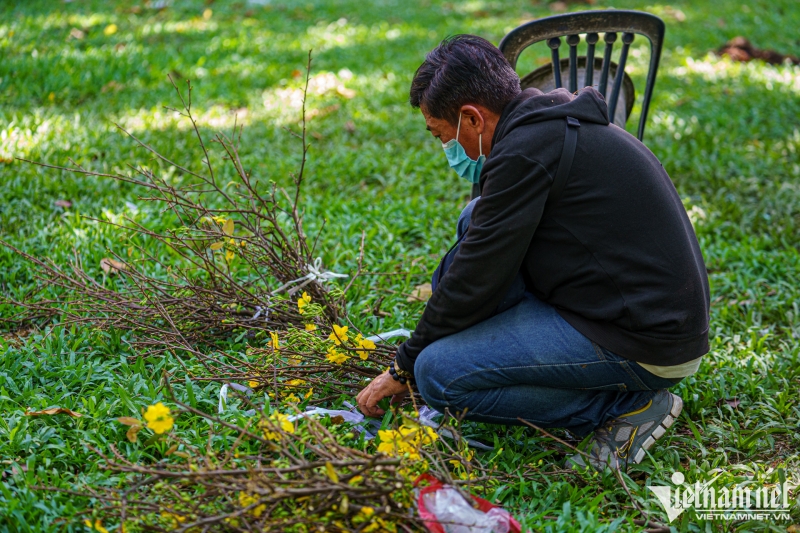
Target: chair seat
x=542, y=79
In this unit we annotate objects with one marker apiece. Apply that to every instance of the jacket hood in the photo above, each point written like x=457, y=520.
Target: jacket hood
x=532, y=105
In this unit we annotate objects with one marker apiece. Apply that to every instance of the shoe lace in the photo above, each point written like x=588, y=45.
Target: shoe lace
x=623, y=450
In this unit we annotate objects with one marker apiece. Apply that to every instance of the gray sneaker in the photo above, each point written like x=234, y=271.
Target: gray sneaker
x=626, y=438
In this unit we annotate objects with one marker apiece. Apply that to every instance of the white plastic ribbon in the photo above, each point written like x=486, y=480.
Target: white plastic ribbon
x=389, y=334
x=223, y=394
x=315, y=272
x=259, y=311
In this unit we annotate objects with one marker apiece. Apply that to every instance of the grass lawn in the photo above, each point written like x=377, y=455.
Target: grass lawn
x=727, y=133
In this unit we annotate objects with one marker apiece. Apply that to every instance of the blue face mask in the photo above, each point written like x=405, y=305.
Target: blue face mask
x=467, y=168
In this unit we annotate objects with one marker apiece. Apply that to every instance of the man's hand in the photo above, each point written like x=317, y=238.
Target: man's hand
x=380, y=388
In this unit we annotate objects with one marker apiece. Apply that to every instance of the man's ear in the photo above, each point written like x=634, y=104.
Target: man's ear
x=472, y=118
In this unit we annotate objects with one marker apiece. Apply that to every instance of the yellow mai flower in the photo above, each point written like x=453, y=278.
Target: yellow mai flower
x=367, y=511
x=274, y=336
x=339, y=334
x=406, y=440
x=229, y=255
x=292, y=398
x=296, y=382
x=335, y=356
x=309, y=394
x=311, y=327
x=158, y=418
x=276, y=419
x=246, y=500
x=253, y=384
x=304, y=300
x=97, y=526
x=366, y=346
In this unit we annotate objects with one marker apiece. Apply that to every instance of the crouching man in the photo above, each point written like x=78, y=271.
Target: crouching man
x=576, y=294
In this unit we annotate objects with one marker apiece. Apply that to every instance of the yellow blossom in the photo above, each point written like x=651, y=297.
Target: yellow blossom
x=304, y=300
x=292, y=398
x=246, y=500
x=296, y=382
x=219, y=220
x=231, y=241
x=339, y=334
x=366, y=346
x=274, y=343
x=276, y=419
x=405, y=440
x=174, y=518
x=367, y=511
x=253, y=384
x=309, y=393
x=97, y=526
x=311, y=327
x=229, y=255
x=355, y=480
x=335, y=356
x=111, y=29
x=158, y=418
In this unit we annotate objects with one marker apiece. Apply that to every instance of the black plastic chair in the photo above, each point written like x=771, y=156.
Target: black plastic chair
x=591, y=23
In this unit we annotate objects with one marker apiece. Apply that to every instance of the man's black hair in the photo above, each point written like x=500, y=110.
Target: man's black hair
x=463, y=69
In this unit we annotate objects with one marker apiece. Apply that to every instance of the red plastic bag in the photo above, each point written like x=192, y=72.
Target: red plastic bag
x=430, y=519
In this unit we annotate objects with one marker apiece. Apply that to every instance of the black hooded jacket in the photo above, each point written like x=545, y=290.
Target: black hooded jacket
x=616, y=255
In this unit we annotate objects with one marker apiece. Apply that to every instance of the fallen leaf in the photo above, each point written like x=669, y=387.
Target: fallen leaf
x=421, y=293
x=66, y=204
x=172, y=449
x=227, y=228
x=111, y=266
x=132, y=433
x=349, y=127
x=337, y=419
x=75, y=33
x=733, y=403
x=217, y=245
x=296, y=73
x=129, y=421
x=111, y=86
x=54, y=411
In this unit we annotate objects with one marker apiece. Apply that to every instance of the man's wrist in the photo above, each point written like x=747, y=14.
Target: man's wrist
x=399, y=374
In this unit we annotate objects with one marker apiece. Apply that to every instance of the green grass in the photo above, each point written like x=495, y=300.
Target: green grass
x=727, y=133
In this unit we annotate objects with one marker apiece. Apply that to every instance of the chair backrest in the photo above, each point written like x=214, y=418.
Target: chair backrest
x=592, y=23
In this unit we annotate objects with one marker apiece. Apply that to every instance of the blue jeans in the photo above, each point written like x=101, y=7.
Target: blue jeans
x=530, y=363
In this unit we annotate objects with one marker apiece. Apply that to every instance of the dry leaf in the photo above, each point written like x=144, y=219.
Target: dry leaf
x=227, y=228
x=337, y=419
x=421, y=293
x=733, y=403
x=129, y=421
x=349, y=127
x=217, y=245
x=111, y=86
x=132, y=431
x=111, y=266
x=331, y=472
x=66, y=204
x=171, y=449
x=54, y=411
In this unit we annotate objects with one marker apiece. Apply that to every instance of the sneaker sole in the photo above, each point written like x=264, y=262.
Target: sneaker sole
x=674, y=412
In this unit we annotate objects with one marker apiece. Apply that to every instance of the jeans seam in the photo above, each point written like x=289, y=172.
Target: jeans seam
x=633, y=375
